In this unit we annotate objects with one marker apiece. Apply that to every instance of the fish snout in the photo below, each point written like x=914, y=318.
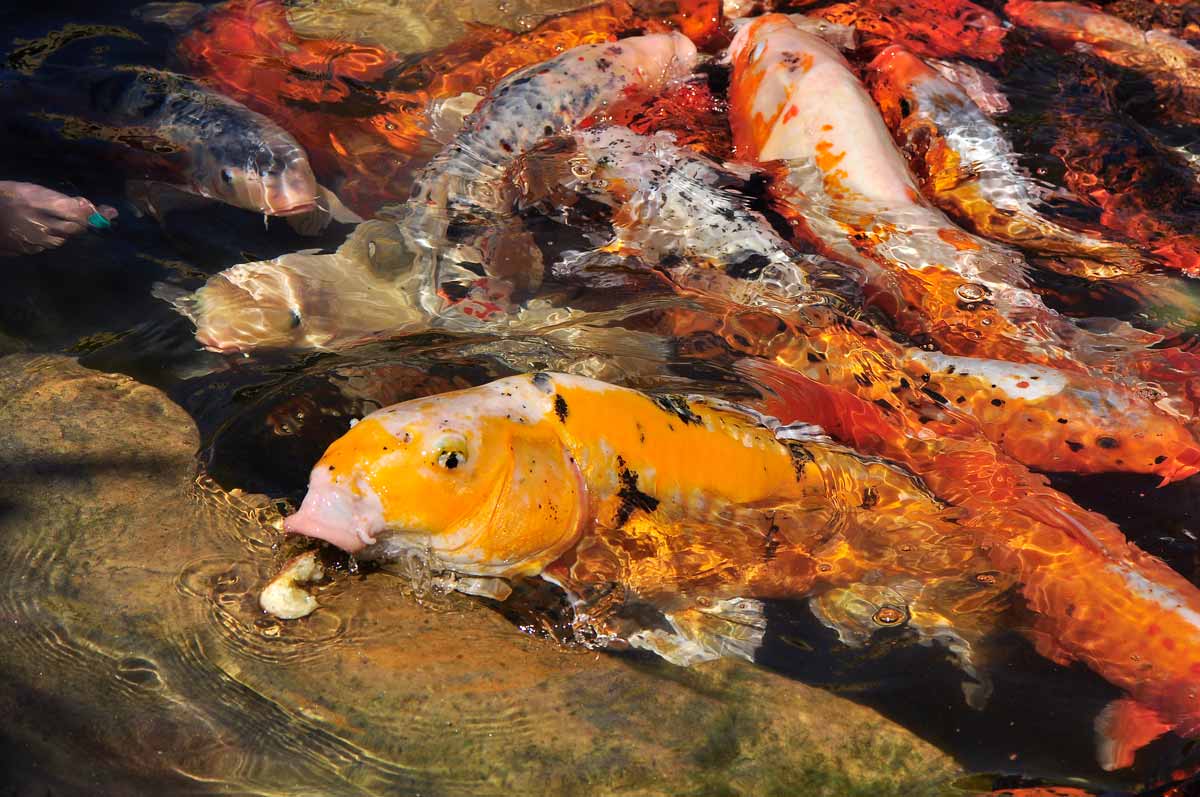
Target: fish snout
x=898, y=68
x=292, y=190
x=333, y=512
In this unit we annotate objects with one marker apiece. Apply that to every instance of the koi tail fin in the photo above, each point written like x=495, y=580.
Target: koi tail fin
x=731, y=628
x=1122, y=728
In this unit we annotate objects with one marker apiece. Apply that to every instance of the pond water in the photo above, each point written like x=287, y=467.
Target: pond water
x=966, y=651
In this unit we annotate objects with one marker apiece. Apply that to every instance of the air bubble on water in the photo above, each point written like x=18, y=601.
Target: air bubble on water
x=971, y=292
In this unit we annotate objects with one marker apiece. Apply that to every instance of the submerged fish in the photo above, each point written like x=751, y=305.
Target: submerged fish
x=1043, y=418
x=844, y=183
x=676, y=211
x=1096, y=598
x=458, y=189
x=365, y=114
x=169, y=129
x=307, y=300
x=685, y=507
x=969, y=170
x=936, y=28
x=1171, y=64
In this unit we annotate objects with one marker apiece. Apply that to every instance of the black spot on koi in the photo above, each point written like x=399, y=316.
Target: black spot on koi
x=631, y=497
x=678, y=406
x=801, y=456
x=749, y=267
x=560, y=408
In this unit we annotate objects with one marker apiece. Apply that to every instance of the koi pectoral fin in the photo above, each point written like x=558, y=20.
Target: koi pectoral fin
x=1122, y=728
x=723, y=629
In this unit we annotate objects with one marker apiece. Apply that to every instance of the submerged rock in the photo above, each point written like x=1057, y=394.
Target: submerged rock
x=137, y=659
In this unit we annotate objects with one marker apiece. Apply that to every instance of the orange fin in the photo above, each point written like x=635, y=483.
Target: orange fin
x=1122, y=728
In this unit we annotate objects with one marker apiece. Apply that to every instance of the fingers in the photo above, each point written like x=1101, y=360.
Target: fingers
x=69, y=208
x=34, y=218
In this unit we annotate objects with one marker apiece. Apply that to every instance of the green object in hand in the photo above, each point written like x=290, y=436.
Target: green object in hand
x=98, y=222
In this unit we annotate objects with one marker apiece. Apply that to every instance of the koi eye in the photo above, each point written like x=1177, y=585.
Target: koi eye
x=227, y=176
x=452, y=452
x=451, y=459
x=905, y=108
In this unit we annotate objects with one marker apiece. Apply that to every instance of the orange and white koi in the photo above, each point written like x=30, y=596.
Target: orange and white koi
x=1096, y=598
x=842, y=181
x=689, y=506
x=969, y=170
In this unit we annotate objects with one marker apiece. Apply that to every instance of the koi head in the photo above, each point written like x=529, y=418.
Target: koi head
x=257, y=167
x=662, y=57
x=478, y=478
x=897, y=80
x=303, y=300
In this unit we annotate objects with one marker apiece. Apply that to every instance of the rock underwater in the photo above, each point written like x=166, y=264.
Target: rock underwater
x=138, y=661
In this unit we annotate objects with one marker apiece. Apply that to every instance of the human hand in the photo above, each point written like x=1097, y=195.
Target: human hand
x=34, y=218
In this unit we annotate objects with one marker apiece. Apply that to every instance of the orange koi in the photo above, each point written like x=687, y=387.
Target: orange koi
x=684, y=507
x=1096, y=598
x=1043, y=418
x=935, y=28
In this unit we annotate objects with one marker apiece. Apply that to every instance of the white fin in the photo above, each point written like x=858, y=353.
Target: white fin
x=731, y=628
x=495, y=588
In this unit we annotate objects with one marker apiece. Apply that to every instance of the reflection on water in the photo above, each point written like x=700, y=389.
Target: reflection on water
x=929, y=576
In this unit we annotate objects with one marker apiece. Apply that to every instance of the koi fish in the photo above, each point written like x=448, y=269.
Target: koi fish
x=689, y=507
x=1043, y=418
x=307, y=300
x=935, y=28
x=844, y=183
x=169, y=129
x=363, y=112
x=970, y=171
x=676, y=211
x=459, y=185
x=1095, y=597
x=1171, y=64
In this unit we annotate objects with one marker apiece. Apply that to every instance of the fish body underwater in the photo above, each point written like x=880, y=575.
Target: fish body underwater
x=1095, y=597
x=970, y=171
x=1171, y=64
x=168, y=129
